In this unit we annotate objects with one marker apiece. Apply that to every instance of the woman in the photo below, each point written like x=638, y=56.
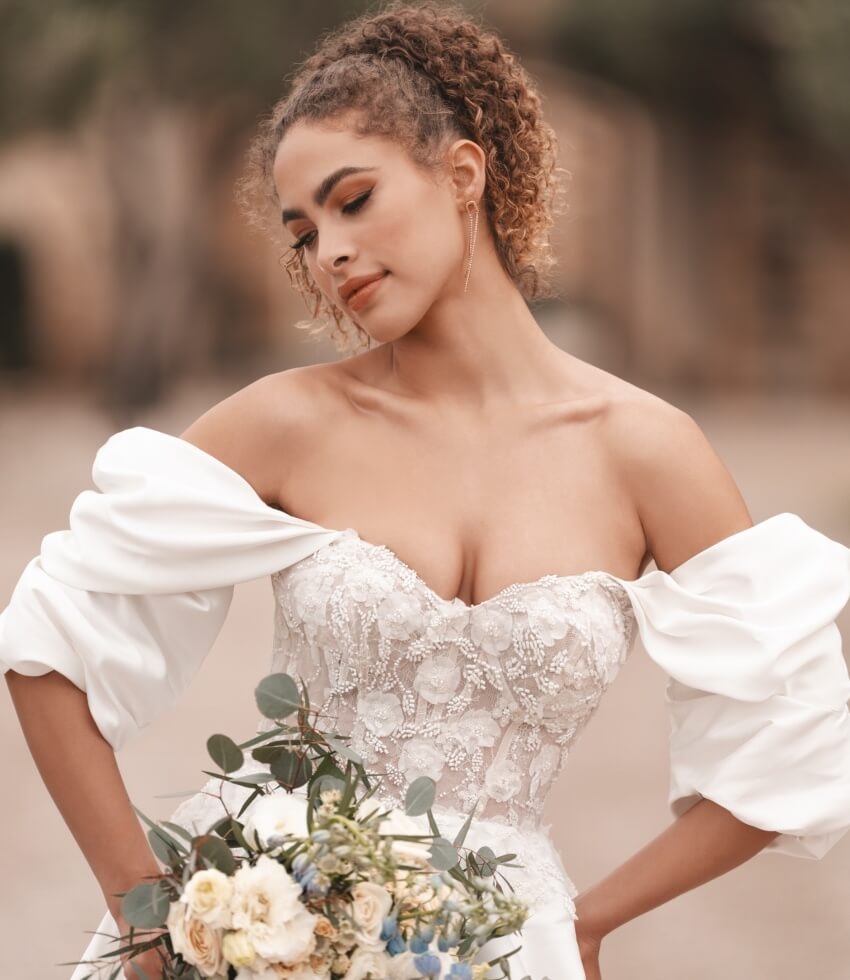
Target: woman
x=475, y=513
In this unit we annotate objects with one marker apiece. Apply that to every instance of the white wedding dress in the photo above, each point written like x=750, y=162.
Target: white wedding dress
x=487, y=699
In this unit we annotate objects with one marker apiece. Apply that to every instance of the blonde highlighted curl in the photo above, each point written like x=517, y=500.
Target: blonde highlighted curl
x=422, y=75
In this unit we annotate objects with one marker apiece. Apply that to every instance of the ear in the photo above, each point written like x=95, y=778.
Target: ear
x=468, y=165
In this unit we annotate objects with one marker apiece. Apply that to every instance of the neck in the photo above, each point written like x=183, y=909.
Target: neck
x=478, y=349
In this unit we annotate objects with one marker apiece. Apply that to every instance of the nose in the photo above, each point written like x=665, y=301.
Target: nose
x=333, y=252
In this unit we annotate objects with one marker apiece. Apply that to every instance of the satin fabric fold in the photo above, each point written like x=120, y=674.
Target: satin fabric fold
x=757, y=682
x=128, y=601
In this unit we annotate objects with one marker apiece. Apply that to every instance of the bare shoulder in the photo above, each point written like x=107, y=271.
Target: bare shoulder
x=261, y=429
x=684, y=494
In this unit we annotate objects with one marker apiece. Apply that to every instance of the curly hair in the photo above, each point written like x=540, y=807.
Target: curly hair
x=421, y=74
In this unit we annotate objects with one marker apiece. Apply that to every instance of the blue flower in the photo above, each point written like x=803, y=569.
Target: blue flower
x=427, y=964
x=389, y=928
x=460, y=971
x=396, y=945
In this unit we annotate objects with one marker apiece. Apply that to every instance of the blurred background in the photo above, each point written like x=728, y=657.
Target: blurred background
x=704, y=255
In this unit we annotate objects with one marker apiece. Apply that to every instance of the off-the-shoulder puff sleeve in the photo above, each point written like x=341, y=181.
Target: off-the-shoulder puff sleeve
x=128, y=601
x=758, y=684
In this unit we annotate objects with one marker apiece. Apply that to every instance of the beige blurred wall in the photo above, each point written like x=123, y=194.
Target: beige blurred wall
x=685, y=259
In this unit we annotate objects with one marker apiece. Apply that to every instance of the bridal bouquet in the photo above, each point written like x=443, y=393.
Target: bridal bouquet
x=312, y=879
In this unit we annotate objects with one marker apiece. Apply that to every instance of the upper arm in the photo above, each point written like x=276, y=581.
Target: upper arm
x=685, y=496
x=257, y=430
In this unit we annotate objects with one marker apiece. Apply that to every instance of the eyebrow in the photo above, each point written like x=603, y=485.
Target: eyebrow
x=324, y=189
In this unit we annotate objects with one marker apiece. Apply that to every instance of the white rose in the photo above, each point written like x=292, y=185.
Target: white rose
x=267, y=905
x=208, y=894
x=195, y=941
x=274, y=815
x=370, y=903
x=369, y=964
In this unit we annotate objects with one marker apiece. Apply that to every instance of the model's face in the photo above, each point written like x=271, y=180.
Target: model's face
x=359, y=206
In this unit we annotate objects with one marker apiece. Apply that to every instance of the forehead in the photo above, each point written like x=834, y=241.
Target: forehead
x=310, y=151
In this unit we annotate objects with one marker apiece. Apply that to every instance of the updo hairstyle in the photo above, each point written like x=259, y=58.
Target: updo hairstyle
x=424, y=75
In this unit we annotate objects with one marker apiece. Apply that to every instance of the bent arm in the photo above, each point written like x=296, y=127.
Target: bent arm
x=79, y=769
x=702, y=844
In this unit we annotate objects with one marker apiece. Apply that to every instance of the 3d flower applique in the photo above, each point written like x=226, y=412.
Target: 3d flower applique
x=437, y=678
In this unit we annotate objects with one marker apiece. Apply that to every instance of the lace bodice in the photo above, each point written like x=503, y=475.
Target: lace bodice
x=486, y=699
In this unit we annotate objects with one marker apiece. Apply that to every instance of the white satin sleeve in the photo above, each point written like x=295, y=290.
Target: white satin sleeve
x=128, y=601
x=757, y=682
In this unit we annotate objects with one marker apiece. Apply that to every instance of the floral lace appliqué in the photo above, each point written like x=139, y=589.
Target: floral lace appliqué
x=485, y=699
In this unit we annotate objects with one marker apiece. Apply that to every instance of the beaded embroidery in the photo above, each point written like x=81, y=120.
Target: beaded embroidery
x=486, y=698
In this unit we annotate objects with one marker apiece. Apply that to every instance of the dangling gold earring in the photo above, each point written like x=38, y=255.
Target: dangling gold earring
x=472, y=211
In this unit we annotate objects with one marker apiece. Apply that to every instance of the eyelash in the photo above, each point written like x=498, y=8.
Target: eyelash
x=351, y=208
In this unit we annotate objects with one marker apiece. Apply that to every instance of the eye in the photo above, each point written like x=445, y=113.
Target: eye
x=352, y=207
x=304, y=241
x=357, y=203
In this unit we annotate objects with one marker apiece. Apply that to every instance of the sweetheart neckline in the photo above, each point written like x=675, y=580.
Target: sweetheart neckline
x=471, y=607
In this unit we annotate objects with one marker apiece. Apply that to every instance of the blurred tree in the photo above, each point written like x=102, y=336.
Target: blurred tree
x=214, y=66
x=786, y=60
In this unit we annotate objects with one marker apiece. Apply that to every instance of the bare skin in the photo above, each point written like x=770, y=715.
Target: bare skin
x=469, y=444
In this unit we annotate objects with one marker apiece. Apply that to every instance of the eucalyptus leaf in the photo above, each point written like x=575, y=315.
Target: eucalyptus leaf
x=255, y=779
x=489, y=863
x=259, y=739
x=420, y=796
x=163, y=846
x=342, y=749
x=267, y=753
x=461, y=834
x=291, y=769
x=215, y=853
x=277, y=696
x=177, y=830
x=443, y=854
x=146, y=905
x=224, y=752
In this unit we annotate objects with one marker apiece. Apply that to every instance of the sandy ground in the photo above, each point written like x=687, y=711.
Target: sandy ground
x=775, y=917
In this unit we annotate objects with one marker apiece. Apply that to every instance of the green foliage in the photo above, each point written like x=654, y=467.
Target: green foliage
x=277, y=696
x=225, y=753
x=146, y=905
x=420, y=796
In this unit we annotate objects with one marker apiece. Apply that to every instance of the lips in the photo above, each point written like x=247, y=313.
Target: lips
x=362, y=293
x=352, y=286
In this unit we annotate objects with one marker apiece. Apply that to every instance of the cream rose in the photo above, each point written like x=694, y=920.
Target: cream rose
x=208, y=894
x=370, y=903
x=238, y=949
x=198, y=943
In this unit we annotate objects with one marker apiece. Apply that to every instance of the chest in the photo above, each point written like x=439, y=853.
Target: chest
x=473, y=507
